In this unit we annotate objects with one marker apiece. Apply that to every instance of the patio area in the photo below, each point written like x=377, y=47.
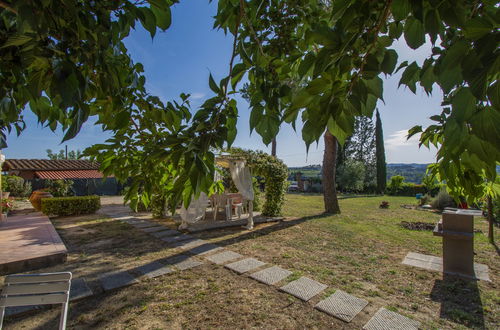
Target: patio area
x=29, y=241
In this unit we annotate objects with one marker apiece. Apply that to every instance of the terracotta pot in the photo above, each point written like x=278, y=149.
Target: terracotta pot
x=5, y=194
x=36, y=198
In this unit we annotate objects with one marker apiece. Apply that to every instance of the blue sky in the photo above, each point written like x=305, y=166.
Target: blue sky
x=180, y=60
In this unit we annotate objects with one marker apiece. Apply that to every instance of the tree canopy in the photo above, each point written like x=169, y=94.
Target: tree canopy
x=316, y=61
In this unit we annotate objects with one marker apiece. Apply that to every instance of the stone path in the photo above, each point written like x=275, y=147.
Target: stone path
x=340, y=304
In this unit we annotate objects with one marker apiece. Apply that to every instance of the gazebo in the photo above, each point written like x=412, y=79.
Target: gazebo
x=242, y=179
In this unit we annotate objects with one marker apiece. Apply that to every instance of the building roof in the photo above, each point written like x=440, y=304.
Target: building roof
x=71, y=174
x=49, y=165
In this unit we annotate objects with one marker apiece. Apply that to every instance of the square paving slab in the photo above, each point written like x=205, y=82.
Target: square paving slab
x=304, y=288
x=205, y=248
x=342, y=305
x=144, y=224
x=386, y=320
x=188, y=264
x=271, y=275
x=178, y=238
x=115, y=280
x=79, y=289
x=154, y=269
x=165, y=233
x=245, y=265
x=194, y=243
x=223, y=257
x=175, y=259
x=436, y=264
x=153, y=229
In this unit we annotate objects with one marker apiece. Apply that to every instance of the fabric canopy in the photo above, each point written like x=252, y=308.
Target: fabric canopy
x=242, y=178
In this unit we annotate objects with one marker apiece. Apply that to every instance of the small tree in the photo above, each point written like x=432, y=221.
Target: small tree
x=380, y=155
x=396, y=183
x=350, y=175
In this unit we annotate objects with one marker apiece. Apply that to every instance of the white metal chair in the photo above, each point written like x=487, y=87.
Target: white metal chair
x=36, y=289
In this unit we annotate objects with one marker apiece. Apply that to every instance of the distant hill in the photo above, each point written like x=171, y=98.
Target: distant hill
x=411, y=172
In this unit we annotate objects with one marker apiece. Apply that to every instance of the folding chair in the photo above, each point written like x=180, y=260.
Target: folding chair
x=36, y=289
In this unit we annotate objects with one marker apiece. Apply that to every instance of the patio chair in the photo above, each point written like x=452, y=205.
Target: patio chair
x=221, y=201
x=36, y=289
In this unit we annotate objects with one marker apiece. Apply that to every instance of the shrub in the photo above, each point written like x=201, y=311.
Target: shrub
x=75, y=205
x=60, y=188
x=395, y=184
x=351, y=175
x=443, y=200
x=16, y=186
x=158, y=205
x=426, y=199
x=384, y=205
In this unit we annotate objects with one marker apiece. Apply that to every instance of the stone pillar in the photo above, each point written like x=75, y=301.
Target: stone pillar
x=457, y=230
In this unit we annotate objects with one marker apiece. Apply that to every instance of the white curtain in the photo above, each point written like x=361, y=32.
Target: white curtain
x=242, y=179
x=195, y=211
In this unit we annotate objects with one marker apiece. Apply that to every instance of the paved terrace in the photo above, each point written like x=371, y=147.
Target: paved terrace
x=27, y=242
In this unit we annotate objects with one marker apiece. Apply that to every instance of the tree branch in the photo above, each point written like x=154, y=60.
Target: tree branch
x=7, y=7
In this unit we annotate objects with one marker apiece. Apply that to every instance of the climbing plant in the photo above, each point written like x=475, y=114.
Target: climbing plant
x=275, y=174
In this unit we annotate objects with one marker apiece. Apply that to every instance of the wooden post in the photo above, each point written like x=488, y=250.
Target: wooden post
x=2, y=158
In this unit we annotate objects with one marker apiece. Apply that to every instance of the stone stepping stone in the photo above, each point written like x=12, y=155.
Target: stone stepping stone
x=79, y=289
x=223, y=257
x=205, y=248
x=304, y=288
x=191, y=243
x=188, y=264
x=116, y=280
x=178, y=238
x=245, y=265
x=342, y=305
x=387, y=320
x=175, y=259
x=165, y=233
x=271, y=275
x=154, y=269
x=143, y=224
x=153, y=229
x=188, y=244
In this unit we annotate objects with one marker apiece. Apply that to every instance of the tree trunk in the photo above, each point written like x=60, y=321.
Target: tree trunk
x=273, y=147
x=329, y=167
x=491, y=236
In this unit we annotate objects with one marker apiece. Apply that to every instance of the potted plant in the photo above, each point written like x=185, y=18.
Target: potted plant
x=7, y=206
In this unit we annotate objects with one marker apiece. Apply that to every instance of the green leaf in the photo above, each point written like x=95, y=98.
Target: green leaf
x=410, y=76
x=389, y=62
x=148, y=20
x=433, y=24
x=16, y=40
x=414, y=33
x=494, y=95
x=375, y=86
x=163, y=17
x=477, y=28
x=213, y=85
x=400, y=9
x=463, y=105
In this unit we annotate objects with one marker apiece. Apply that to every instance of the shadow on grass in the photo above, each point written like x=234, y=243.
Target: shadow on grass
x=122, y=248
x=460, y=301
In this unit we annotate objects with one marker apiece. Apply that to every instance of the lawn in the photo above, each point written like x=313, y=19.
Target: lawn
x=359, y=251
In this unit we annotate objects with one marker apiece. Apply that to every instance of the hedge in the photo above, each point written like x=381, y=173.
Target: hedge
x=75, y=205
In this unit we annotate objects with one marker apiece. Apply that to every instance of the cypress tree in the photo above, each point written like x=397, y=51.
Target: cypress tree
x=380, y=155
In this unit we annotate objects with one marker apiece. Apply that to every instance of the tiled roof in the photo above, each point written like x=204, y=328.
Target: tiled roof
x=49, y=164
x=77, y=174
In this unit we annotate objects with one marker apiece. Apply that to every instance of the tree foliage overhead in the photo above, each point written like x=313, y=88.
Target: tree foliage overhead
x=315, y=61
x=65, y=61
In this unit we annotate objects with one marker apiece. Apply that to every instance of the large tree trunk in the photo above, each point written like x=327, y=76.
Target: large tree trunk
x=273, y=147
x=329, y=167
